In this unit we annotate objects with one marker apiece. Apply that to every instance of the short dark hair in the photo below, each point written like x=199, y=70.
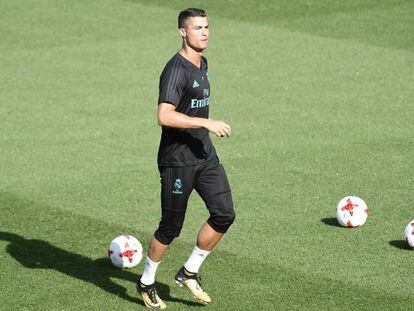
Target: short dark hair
x=190, y=12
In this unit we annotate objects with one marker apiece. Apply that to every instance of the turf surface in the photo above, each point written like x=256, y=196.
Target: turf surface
x=319, y=96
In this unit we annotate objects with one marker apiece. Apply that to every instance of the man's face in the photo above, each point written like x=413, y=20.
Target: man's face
x=196, y=32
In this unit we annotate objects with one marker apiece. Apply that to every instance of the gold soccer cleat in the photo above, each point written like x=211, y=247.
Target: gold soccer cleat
x=191, y=281
x=150, y=296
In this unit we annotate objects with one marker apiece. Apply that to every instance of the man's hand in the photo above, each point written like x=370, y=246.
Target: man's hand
x=219, y=128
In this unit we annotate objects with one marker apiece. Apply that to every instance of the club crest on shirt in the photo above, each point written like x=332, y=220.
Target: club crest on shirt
x=178, y=185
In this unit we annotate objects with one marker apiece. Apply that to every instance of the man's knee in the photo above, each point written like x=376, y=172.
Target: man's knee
x=221, y=223
x=167, y=235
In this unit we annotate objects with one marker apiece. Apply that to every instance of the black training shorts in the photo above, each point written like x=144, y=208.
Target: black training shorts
x=210, y=181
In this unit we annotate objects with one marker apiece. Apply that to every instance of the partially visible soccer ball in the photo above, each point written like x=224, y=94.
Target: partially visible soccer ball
x=125, y=251
x=409, y=233
x=351, y=212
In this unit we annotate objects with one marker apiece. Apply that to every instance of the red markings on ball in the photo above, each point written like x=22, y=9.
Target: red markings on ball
x=349, y=224
x=129, y=254
x=349, y=207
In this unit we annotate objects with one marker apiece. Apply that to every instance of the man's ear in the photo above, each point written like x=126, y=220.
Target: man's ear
x=182, y=32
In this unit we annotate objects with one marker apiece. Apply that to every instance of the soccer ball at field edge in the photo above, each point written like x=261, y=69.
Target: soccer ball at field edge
x=125, y=251
x=409, y=233
x=351, y=212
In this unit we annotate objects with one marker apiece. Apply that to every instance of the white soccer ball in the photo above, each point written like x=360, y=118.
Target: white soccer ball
x=409, y=233
x=351, y=212
x=125, y=251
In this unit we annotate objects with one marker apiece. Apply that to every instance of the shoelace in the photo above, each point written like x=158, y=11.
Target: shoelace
x=152, y=293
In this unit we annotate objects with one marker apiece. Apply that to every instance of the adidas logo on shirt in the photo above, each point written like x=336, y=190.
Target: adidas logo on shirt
x=195, y=84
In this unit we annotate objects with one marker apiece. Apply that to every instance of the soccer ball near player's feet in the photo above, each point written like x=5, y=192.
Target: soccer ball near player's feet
x=409, y=233
x=125, y=251
x=351, y=212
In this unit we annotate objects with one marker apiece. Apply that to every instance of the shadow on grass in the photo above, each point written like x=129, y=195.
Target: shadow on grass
x=38, y=254
x=331, y=221
x=401, y=244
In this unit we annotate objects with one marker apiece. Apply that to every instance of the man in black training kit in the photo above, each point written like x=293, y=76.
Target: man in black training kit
x=187, y=160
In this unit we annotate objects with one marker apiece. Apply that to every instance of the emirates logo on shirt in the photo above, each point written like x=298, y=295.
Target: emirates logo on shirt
x=200, y=103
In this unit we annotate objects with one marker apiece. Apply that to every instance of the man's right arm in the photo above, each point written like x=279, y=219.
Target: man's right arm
x=167, y=116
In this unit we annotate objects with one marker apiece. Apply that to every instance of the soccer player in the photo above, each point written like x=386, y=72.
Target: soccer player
x=187, y=160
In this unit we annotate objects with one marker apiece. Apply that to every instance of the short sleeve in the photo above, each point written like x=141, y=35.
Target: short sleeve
x=172, y=84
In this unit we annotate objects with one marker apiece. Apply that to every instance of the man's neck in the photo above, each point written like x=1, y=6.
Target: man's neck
x=192, y=55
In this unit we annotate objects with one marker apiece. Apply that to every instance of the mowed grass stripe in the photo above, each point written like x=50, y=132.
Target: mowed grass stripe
x=378, y=23
x=68, y=262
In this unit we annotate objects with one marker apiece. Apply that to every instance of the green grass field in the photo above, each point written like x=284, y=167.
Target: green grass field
x=320, y=98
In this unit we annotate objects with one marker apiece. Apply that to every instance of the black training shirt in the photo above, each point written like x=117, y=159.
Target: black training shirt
x=185, y=86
